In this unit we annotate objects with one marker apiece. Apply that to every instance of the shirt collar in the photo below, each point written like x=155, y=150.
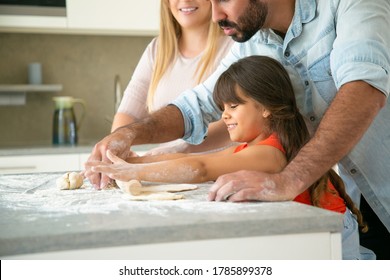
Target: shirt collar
x=305, y=11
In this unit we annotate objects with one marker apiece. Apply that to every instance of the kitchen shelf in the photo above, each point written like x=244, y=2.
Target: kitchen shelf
x=16, y=94
x=30, y=88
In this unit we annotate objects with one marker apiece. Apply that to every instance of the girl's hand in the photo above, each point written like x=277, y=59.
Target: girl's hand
x=118, y=169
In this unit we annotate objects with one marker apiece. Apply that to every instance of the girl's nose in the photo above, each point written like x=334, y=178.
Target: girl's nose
x=225, y=115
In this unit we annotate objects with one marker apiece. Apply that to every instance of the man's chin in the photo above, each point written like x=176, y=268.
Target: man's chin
x=239, y=38
x=242, y=37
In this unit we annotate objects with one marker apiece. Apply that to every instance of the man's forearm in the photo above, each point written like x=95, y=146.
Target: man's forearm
x=163, y=125
x=343, y=125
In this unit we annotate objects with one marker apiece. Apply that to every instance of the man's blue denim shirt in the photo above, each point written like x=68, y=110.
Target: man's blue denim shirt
x=329, y=43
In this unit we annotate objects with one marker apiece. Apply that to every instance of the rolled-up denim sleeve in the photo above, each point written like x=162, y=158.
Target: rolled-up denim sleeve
x=197, y=105
x=362, y=47
x=198, y=109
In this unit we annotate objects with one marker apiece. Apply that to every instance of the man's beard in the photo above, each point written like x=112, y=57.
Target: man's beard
x=251, y=21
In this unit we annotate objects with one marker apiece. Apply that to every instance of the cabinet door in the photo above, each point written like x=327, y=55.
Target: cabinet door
x=124, y=16
x=83, y=159
x=39, y=163
x=27, y=23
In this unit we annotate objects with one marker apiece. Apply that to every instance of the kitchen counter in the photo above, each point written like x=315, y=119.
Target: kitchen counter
x=40, y=221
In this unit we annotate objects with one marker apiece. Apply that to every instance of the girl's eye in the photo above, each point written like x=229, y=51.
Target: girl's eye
x=233, y=106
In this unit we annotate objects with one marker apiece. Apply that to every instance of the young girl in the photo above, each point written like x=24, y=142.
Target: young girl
x=259, y=110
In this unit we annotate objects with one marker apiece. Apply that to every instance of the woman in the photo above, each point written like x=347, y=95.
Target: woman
x=187, y=50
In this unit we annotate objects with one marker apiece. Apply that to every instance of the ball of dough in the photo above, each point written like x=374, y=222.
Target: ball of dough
x=63, y=182
x=76, y=180
x=70, y=181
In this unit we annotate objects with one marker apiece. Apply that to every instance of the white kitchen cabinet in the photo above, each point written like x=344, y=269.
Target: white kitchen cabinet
x=100, y=17
x=40, y=163
x=83, y=159
x=304, y=246
x=25, y=23
x=50, y=159
x=114, y=16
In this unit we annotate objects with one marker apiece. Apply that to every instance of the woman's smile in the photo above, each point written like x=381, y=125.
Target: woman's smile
x=188, y=10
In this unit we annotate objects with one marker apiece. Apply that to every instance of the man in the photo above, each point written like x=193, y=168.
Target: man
x=338, y=56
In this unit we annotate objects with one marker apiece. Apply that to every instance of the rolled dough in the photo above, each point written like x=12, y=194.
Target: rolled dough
x=154, y=196
x=136, y=191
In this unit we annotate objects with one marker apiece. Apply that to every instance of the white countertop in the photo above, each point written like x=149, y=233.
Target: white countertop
x=37, y=218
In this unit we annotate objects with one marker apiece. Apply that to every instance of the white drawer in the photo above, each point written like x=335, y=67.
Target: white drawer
x=39, y=163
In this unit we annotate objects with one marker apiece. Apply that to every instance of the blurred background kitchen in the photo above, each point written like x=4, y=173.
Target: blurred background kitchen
x=82, y=47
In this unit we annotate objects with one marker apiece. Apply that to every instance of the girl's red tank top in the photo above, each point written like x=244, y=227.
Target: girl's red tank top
x=329, y=200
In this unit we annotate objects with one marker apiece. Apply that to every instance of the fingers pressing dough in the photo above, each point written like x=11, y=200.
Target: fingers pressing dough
x=110, y=186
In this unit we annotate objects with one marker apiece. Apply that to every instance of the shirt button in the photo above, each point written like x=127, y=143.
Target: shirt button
x=306, y=83
x=287, y=54
x=353, y=171
x=312, y=118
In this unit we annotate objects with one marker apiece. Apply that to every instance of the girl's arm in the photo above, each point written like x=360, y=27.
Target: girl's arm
x=155, y=158
x=162, y=157
x=195, y=168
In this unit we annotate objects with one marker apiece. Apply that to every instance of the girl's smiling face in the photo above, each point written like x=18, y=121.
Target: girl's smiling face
x=248, y=121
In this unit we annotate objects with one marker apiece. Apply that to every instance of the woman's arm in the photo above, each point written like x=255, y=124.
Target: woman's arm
x=133, y=103
x=121, y=119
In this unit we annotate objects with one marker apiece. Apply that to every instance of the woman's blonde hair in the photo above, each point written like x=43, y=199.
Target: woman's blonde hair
x=167, y=49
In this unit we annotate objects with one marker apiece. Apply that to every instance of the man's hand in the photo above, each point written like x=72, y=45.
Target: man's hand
x=252, y=186
x=119, y=143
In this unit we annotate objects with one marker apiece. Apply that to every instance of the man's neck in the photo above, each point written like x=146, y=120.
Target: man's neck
x=280, y=15
x=280, y=33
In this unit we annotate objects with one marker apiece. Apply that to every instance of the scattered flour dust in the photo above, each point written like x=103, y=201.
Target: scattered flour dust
x=37, y=193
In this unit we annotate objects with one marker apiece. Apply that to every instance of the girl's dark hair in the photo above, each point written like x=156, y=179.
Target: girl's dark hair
x=265, y=80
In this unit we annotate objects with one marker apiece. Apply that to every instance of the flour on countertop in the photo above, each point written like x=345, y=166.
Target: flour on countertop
x=39, y=194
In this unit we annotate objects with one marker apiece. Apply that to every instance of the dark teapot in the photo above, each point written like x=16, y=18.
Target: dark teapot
x=65, y=126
